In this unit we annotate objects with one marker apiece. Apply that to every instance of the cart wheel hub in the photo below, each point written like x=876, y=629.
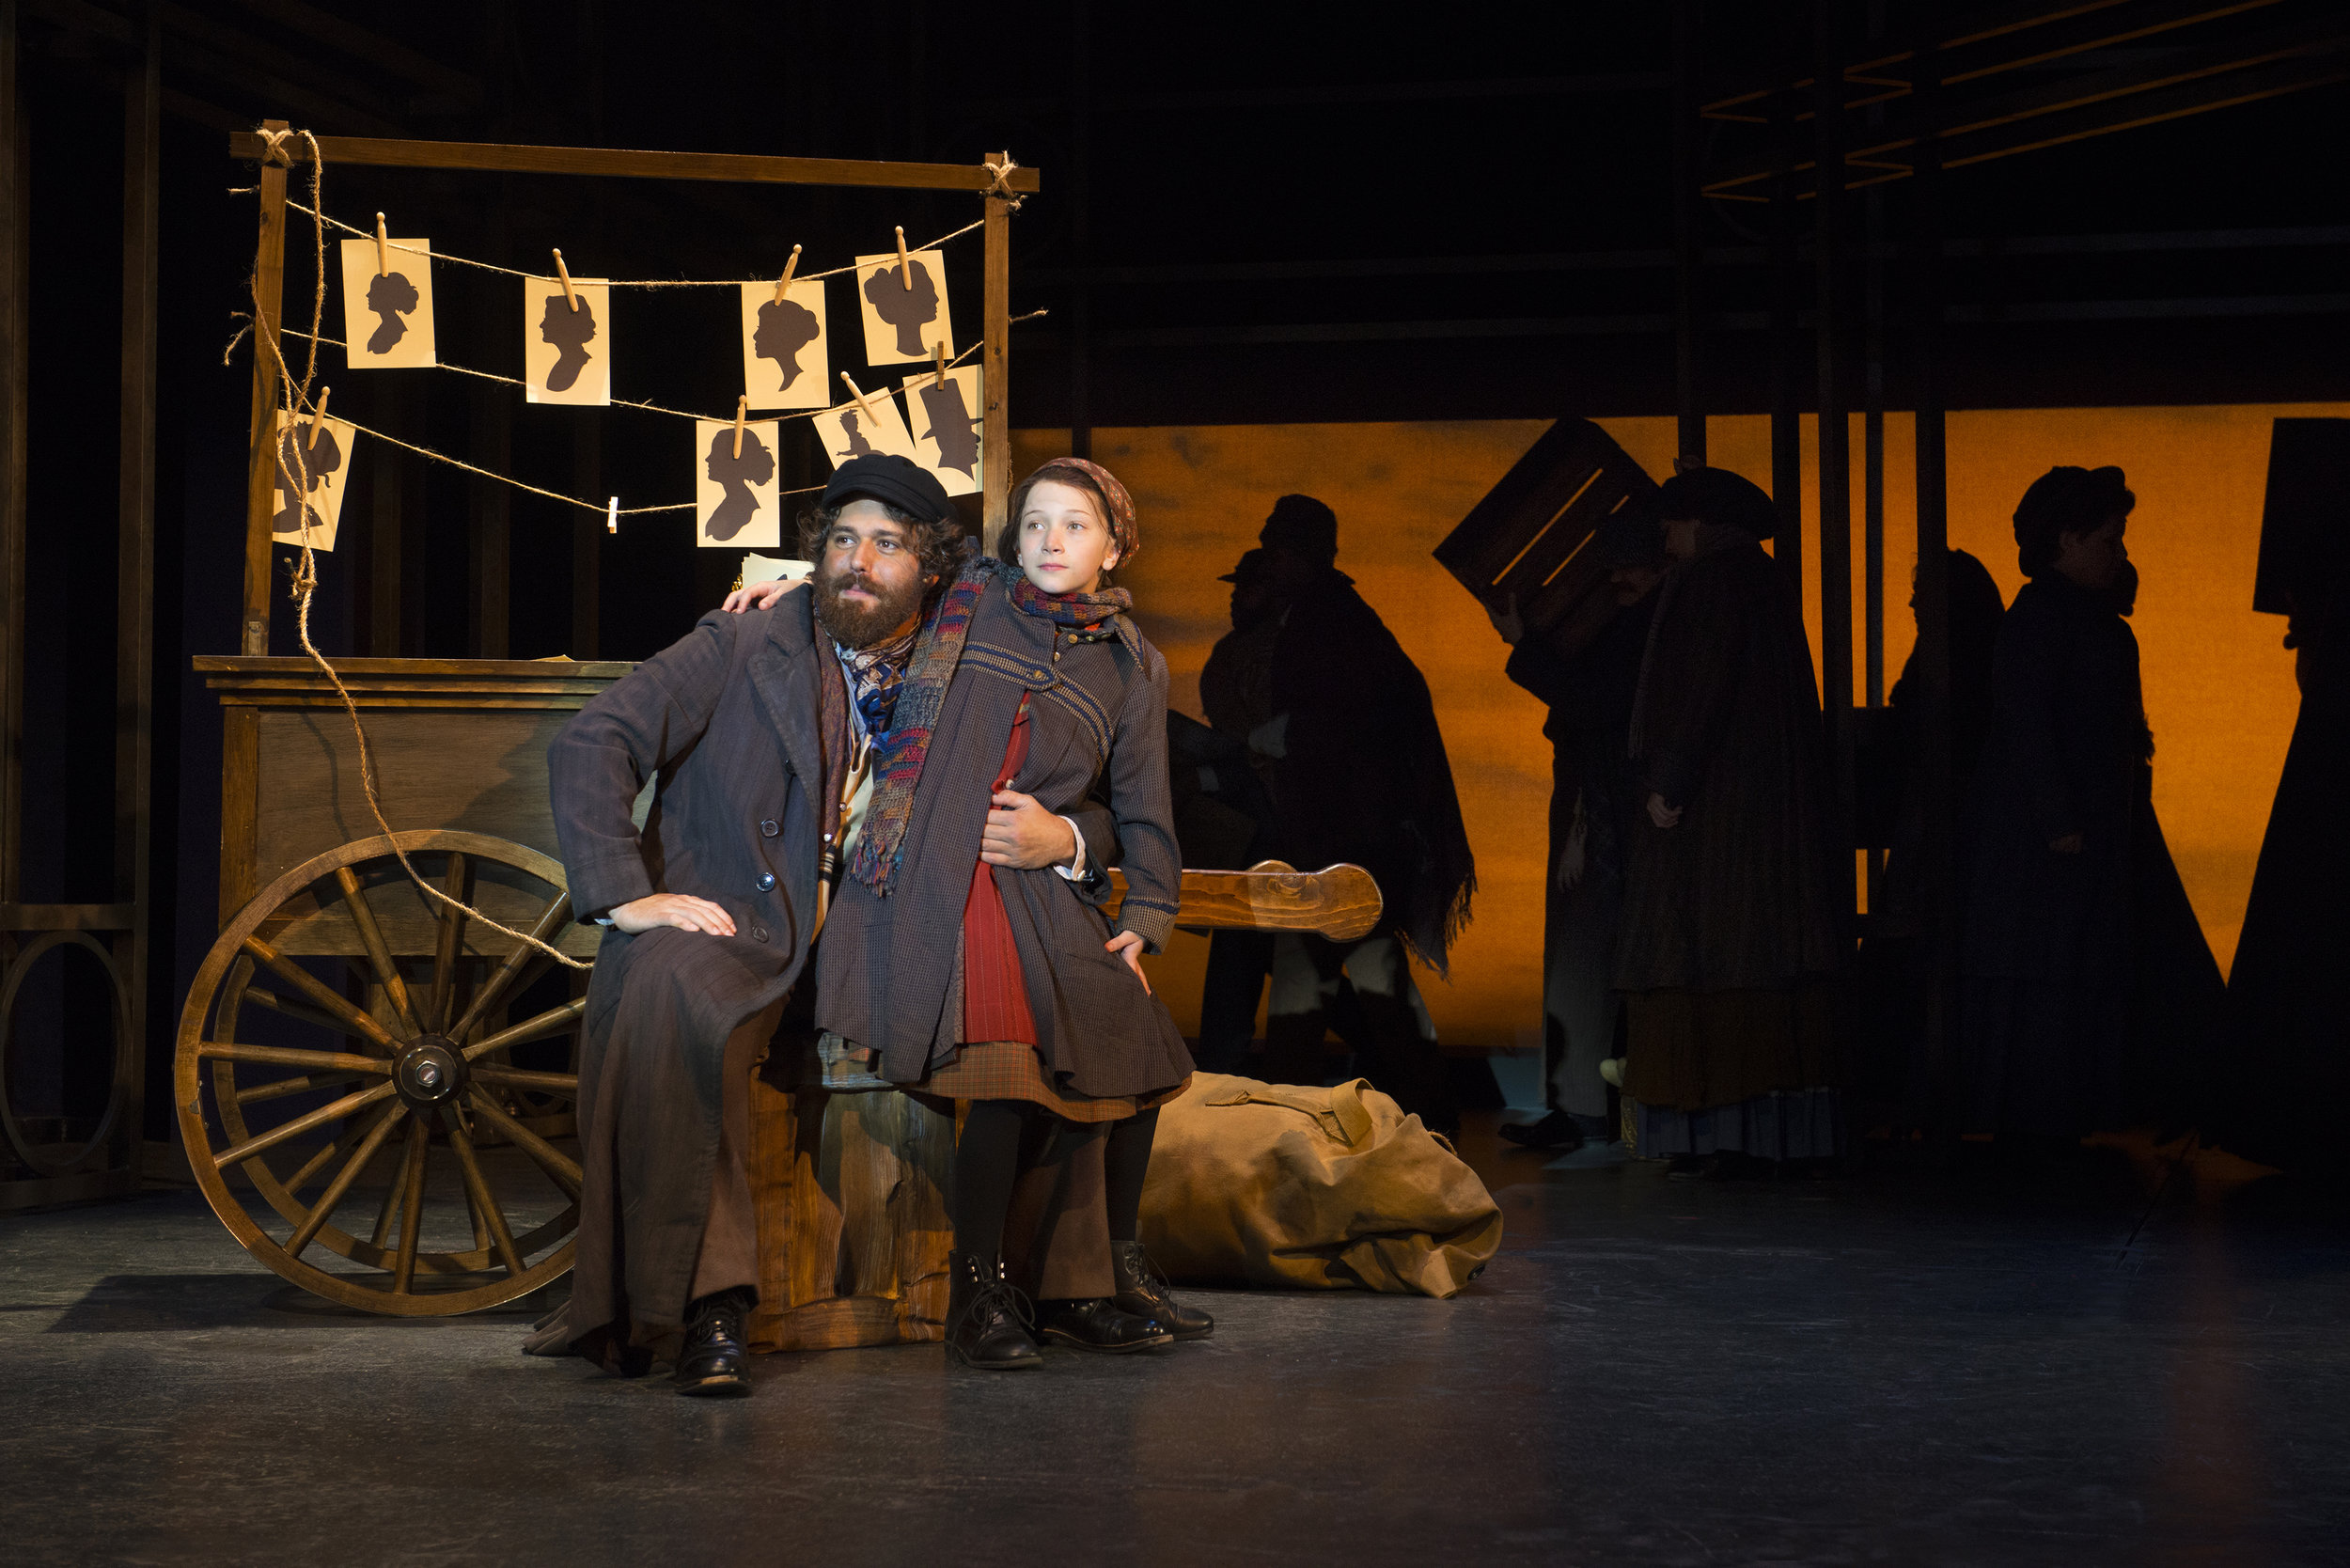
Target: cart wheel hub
x=429, y=1072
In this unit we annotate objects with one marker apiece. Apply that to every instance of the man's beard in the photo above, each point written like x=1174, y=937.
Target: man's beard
x=854, y=625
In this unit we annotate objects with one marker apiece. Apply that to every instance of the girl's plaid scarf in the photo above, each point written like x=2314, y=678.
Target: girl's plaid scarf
x=898, y=769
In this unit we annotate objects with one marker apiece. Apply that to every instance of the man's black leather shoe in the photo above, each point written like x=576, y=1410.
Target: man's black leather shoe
x=1559, y=1133
x=987, y=1317
x=1098, y=1325
x=710, y=1365
x=1142, y=1291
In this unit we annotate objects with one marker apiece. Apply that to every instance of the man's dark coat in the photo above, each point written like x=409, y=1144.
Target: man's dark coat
x=728, y=721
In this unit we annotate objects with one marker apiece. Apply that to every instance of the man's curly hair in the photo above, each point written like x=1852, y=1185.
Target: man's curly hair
x=939, y=545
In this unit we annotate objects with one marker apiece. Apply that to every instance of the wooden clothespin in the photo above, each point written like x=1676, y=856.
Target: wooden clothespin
x=612, y=516
x=317, y=418
x=906, y=264
x=564, y=272
x=783, y=284
x=741, y=411
x=938, y=352
x=863, y=407
x=383, y=248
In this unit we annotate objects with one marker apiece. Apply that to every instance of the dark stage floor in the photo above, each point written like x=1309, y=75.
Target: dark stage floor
x=1890, y=1369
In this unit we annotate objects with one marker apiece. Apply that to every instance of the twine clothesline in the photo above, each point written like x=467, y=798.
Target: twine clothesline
x=609, y=283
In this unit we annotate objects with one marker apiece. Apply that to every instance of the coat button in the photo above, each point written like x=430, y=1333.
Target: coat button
x=768, y=828
x=1039, y=674
x=766, y=880
x=759, y=934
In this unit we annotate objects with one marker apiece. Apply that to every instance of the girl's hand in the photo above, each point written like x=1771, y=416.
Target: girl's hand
x=1128, y=946
x=681, y=910
x=760, y=596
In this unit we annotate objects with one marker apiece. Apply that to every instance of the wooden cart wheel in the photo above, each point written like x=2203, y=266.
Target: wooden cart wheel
x=357, y=1100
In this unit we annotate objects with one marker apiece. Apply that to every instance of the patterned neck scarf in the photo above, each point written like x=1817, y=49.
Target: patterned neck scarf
x=875, y=674
x=1079, y=611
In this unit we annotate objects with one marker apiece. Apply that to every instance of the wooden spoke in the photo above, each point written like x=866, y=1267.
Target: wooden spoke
x=554, y=917
x=299, y=1085
x=331, y=1061
x=295, y=1010
x=485, y=1206
x=353, y=1021
x=411, y=1206
x=449, y=943
x=553, y=1021
x=317, y=1162
x=559, y=1166
x=379, y=951
x=260, y=1142
x=565, y=1083
x=312, y=1222
x=388, y=1209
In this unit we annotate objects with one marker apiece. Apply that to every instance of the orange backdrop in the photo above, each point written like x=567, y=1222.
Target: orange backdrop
x=2219, y=685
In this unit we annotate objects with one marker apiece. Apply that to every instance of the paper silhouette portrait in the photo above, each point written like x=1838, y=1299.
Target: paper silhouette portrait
x=901, y=324
x=310, y=476
x=387, y=314
x=738, y=502
x=768, y=569
x=854, y=430
x=946, y=427
x=567, y=353
x=786, y=357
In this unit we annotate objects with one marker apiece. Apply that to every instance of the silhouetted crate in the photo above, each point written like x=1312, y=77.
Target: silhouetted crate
x=1528, y=539
x=2302, y=548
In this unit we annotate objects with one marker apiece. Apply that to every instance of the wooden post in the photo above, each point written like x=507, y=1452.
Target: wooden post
x=135, y=606
x=269, y=288
x=1939, y=900
x=996, y=358
x=1786, y=349
x=386, y=474
x=14, y=324
x=1835, y=444
x=1688, y=240
x=588, y=536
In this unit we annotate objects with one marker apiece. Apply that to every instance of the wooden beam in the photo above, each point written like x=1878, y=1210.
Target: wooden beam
x=67, y=916
x=269, y=289
x=135, y=601
x=734, y=168
x=995, y=361
x=15, y=135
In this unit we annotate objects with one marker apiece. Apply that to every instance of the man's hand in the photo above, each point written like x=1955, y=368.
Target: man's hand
x=681, y=910
x=760, y=596
x=1271, y=738
x=1021, y=834
x=1128, y=946
x=1662, y=814
x=2068, y=844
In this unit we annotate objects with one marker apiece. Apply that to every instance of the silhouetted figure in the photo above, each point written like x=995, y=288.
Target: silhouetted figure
x=307, y=465
x=1236, y=694
x=2087, y=987
x=571, y=331
x=1893, y=960
x=1729, y=952
x=858, y=446
x=952, y=427
x=907, y=309
x=390, y=296
x=784, y=327
x=2289, y=991
x=1594, y=808
x=755, y=466
x=1359, y=774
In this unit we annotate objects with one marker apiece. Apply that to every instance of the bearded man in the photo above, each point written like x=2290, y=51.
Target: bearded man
x=756, y=732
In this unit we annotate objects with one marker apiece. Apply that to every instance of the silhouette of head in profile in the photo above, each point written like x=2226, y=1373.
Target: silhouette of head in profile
x=299, y=462
x=784, y=327
x=570, y=332
x=858, y=446
x=757, y=465
x=390, y=296
x=907, y=309
x=952, y=427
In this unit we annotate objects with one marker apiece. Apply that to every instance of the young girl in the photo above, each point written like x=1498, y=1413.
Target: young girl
x=965, y=952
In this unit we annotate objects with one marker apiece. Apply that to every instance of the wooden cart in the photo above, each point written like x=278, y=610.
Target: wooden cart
x=347, y=1050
